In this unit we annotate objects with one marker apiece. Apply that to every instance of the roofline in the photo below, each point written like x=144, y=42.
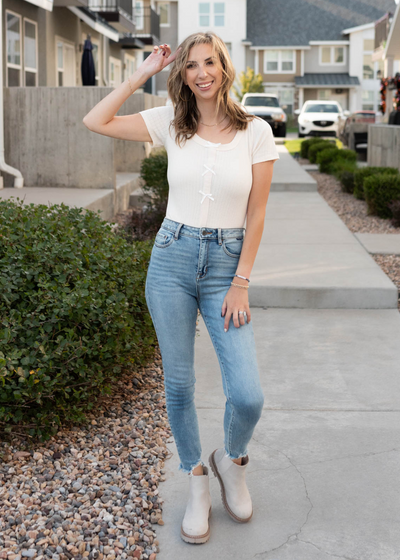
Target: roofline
x=280, y=47
x=344, y=42
x=327, y=86
x=392, y=26
x=359, y=28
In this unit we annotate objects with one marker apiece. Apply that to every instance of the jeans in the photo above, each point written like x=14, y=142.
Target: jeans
x=191, y=268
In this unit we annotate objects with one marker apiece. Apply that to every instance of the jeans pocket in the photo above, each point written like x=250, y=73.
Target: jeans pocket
x=164, y=238
x=233, y=246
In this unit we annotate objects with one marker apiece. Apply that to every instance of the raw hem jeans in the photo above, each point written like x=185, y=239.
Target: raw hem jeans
x=191, y=268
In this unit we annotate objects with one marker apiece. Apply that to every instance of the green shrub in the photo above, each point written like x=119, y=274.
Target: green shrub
x=306, y=144
x=380, y=190
x=326, y=157
x=153, y=171
x=72, y=314
x=344, y=171
x=363, y=173
x=318, y=147
x=394, y=207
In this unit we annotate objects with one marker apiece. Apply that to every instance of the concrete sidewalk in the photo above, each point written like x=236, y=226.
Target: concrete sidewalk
x=308, y=258
x=324, y=458
x=289, y=175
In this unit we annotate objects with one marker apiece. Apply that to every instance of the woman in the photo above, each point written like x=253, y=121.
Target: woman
x=220, y=163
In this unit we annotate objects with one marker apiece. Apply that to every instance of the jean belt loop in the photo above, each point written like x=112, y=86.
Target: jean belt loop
x=219, y=236
x=178, y=229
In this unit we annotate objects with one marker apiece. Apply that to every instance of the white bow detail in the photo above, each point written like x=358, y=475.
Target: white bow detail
x=207, y=169
x=205, y=195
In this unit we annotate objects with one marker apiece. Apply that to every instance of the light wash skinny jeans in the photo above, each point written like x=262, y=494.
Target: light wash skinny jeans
x=192, y=268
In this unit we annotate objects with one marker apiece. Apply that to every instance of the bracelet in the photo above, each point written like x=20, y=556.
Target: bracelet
x=244, y=277
x=130, y=85
x=239, y=285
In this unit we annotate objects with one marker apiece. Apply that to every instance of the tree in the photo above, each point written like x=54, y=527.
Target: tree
x=248, y=82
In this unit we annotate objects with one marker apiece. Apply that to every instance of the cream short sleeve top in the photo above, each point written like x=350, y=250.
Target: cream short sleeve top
x=209, y=183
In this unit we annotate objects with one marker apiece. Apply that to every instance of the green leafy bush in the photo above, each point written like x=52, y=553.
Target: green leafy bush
x=153, y=171
x=72, y=314
x=305, y=145
x=363, y=173
x=380, y=190
x=326, y=157
x=394, y=207
x=318, y=147
x=344, y=171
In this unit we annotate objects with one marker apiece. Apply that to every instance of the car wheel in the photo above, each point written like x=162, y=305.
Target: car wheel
x=300, y=135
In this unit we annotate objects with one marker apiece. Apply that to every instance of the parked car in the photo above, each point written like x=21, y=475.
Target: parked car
x=266, y=106
x=319, y=118
x=367, y=117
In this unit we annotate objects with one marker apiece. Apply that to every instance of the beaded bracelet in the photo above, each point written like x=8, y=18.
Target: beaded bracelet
x=240, y=285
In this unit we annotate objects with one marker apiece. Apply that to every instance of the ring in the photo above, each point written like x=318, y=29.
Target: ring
x=240, y=312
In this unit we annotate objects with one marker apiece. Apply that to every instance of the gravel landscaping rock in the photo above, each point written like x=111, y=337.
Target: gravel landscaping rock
x=91, y=491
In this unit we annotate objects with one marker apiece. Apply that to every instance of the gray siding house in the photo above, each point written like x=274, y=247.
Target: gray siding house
x=302, y=51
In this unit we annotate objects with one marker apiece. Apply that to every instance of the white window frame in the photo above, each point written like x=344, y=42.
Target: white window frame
x=116, y=62
x=279, y=70
x=28, y=68
x=21, y=51
x=139, y=26
x=59, y=39
x=97, y=43
x=168, y=6
x=331, y=63
x=128, y=57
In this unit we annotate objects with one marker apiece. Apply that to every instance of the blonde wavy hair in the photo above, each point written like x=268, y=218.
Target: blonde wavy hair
x=187, y=115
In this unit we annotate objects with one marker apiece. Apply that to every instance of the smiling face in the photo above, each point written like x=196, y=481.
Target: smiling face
x=203, y=71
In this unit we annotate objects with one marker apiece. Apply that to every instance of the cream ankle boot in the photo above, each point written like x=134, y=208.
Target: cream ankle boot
x=195, y=525
x=231, y=477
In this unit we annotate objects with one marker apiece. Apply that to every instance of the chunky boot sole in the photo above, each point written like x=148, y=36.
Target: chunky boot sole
x=197, y=539
x=223, y=495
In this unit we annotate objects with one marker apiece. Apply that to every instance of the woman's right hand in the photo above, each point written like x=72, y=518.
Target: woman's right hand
x=158, y=59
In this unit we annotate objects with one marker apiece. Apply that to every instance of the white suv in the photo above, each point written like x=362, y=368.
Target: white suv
x=319, y=118
x=266, y=106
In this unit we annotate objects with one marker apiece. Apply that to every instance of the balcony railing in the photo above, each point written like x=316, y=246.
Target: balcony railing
x=147, y=24
x=112, y=6
x=382, y=28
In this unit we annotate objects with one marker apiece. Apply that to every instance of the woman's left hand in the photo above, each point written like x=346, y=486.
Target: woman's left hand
x=236, y=299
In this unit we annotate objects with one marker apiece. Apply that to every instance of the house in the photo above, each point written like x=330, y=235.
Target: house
x=316, y=49
x=43, y=40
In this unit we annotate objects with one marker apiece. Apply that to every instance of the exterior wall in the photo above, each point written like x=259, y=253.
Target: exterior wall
x=356, y=69
x=232, y=32
x=383, y=145
x=168, y=35
x=249, y=59
x=65, y=24
x=70, y=155
x=312, y=65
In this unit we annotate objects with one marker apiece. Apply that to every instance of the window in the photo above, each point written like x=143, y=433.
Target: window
x=286, y=97
x=115, y=71
x=369, y=44
x=65, y=63
x=164, y=12
x=287, y=61
x=206, y=18
x=332, y=55
x=279, y=61
x=30, y=54
x=139, y=14
x=368, y=98
x=204, y=14
x=368, y=67
x=219, y=14
x=13, y=48
x=324, y=94
x=130, y=65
